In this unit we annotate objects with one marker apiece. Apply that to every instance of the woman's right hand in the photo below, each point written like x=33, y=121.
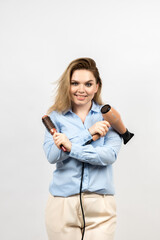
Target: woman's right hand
x=100, y=127
x=61, y=139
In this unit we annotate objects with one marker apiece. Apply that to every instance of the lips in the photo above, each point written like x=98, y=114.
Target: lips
x=80, y=97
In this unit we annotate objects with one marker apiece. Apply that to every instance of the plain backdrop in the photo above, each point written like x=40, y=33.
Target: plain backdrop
x=38, y=40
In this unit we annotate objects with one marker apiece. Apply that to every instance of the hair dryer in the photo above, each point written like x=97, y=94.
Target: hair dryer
x=51, y=128
x=114, y=118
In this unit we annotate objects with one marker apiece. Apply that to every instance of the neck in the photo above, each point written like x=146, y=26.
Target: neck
x=82, y=108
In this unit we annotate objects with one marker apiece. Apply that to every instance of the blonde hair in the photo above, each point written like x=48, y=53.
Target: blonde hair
x=62, y=99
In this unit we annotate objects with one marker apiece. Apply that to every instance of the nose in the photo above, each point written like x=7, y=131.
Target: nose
x=81, y=88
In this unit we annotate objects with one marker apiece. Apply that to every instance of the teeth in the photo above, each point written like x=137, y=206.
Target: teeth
x=80, y=95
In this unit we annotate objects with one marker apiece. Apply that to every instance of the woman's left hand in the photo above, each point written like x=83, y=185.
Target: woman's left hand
x=60, y=138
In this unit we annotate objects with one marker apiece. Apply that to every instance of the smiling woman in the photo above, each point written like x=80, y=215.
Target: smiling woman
x=83, y=88
x=79, y=69
x=83, y=175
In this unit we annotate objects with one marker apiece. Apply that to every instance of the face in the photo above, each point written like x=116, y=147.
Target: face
x=83, y=87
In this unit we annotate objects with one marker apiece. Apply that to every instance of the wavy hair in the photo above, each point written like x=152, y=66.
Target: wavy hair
x=62, y=99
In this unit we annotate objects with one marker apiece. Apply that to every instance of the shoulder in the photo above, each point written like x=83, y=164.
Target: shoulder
x=55, y=116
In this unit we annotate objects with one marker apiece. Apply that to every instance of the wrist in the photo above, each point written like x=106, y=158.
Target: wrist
x=90, y=131
x=69, y=147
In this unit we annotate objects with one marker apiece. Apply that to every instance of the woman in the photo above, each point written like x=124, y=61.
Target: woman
x=77, y=117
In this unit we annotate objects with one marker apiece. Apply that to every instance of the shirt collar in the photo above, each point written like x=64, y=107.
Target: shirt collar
x=95, y=108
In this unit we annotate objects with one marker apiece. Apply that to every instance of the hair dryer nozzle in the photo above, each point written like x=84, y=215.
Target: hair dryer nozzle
x=106, y=108
x=127, y=136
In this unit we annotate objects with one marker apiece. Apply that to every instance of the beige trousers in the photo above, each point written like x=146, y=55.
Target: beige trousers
x=64, y=221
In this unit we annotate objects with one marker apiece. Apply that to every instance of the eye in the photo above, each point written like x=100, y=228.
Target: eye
x=74, y=83
x=88, y=84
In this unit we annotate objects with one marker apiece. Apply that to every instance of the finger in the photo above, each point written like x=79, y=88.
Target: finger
x=101, y=132
x=105, y=127
x=57, y=134
x=107, y=123
x=104, y=130
x=55, y=138
x=104, y=124
x=57, y=144
x=58, y=140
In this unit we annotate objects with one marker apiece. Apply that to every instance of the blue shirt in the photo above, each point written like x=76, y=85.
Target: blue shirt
x=98, y=156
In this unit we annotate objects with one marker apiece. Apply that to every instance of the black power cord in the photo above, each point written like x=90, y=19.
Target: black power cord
x=83, y=230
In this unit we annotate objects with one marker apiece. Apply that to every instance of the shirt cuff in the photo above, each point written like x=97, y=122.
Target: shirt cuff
x=85, y=154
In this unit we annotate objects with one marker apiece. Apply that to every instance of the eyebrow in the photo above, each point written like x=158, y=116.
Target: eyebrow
x=85, y=82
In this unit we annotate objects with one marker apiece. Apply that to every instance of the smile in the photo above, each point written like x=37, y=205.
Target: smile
x=80, y=97
x=77, y=95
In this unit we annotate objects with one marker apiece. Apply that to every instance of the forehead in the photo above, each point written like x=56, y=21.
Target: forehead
x=82, y=75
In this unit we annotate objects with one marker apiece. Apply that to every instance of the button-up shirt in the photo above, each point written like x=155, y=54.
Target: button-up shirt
x=98, y=156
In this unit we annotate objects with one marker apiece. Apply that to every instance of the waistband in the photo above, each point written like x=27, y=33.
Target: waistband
x=92, y=194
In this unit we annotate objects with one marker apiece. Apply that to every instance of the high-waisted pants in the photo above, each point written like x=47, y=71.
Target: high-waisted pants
x=64, y=220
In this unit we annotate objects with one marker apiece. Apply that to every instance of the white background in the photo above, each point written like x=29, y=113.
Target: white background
x=38, y=41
